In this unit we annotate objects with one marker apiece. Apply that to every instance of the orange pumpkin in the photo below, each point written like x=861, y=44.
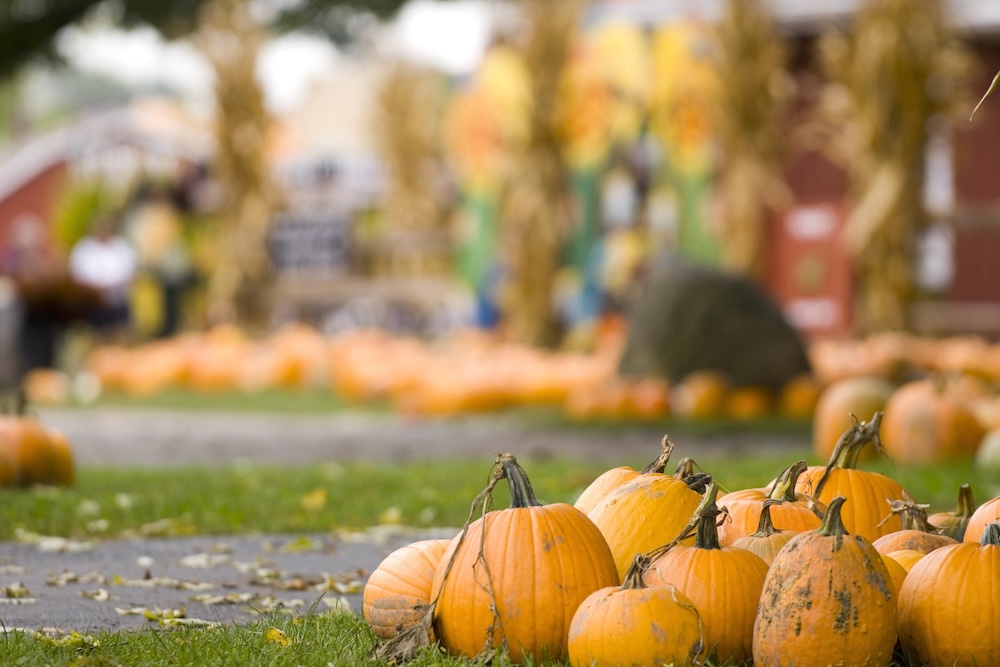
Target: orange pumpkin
x=897, y=573
x=948, y=612
x=916, y=533
x=794, y=512
x=953, y=524
x=724, y=583
x=636, y=624
x=612, y=479
x=798, y=398
x=516, y=576
x=985, y=514
x=30, y=447
x=701, y=395
x=906, y=557
x=827, y=598
x=860, y=396
x=925, y=423
x=398, y=591
x=62, y=468
x=767, y=541
x=867, y=491
x=748, y=403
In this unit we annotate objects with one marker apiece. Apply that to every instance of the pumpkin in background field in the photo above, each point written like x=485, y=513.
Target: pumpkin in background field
x=798, y=398
x=827, y=598
x=538, y=564
x=10, y=475
x=610, y=480
x=868, y=492
x=953, y=524
x=701, y=395
x=925, y=423
x=790, y=509
x=648, y=399
x=748, y=403
x=399, y=590
x=948, y=608
x=636, y=624
x=62, y=468
x=915, y=532
x=724, y=583
x=30, y=447
x=860, y=396
x=985, y=514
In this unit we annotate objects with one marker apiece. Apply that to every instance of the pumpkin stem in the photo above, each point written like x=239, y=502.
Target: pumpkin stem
x=966, y=504
x=635, y=572
x=991, y=535
x=833, y=525
x=698, y=482
x=707, y=535
x=521, y=493
x=685, y=468
x=765, y=527
x=911, y=515
x=849, y=446
x=660, y=463
x=784, y=486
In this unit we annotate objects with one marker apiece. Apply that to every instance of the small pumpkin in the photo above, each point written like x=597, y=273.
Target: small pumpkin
x=906, y=557
x=867, y=491
x=643, y=514
x=827, y=597
x=897, y=573
x=953, y=524
x=398, y=591
x=62, y=469
x=794, y=512
x=916, y=533
x=30, y=447
x=516, y=576
x=947, y=612
x=612, y=479
x=985, y=514
x=767, y=541
x=636, y=624
x=724, y=583
x=862, y=396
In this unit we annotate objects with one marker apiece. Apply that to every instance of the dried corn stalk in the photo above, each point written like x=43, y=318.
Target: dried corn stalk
x=533, y=212
x=902, y=68
x=231, y=38
x=750, y=113
x=408, y=128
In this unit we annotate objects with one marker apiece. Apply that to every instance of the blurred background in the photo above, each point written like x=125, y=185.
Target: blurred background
x=467, y=205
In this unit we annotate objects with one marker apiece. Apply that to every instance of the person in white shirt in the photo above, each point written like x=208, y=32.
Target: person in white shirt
x=107, y=262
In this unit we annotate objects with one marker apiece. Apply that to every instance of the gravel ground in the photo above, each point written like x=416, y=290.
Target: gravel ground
x=72, y=586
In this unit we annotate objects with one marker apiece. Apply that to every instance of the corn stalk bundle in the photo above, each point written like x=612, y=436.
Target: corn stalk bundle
x=533, y=211
x=750, y=126
x=900, y=71
x=407, y=124
x=230, y=38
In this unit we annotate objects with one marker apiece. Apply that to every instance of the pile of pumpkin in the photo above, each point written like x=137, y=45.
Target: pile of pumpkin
x=32, y=453
x=826, y=565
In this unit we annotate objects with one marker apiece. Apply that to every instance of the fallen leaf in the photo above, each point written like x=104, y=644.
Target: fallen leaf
x=100, y=595
x=276, y=636
x=313, y=501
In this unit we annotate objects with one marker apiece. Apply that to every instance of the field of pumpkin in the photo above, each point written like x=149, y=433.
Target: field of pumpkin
x=825, y=565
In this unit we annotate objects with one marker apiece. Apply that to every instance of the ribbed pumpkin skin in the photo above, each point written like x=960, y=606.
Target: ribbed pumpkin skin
x=724, y=585
x=640, y=626
x=827, y=599
x=866, y=493
x=601, y=487
x=926, y=424
x=644, y=514
x=917, y=540
x=987, y=513
x=544, y=561
x=949, y=610
x=399, y=589
x=744, y=515
x=765, y=548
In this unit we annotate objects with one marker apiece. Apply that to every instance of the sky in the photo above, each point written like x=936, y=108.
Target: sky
x=448, y=35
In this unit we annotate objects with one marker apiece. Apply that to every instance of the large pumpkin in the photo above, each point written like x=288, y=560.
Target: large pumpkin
x=644, y=514
x=398, y=592
x=953, y=524
x=827, y=599
x=724, y=583
x=925, y=423
x=948, y=608
x=860, y=396
x=516, y=576
x=867, y=491
x=987, y=513
x=612, y=479
x=791, y=510
x=636, y=624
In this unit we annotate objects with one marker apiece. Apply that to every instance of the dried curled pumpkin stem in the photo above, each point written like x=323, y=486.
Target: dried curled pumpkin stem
x=765, y=526
x=707, y=532
x=966, y=504
x=636, y=571
x=659, y=464
x=912, y=515
x=991, y=535
x=849, y=446
x=784, y=486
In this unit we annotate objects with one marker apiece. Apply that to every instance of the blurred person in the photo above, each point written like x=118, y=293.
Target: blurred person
x=106, y=262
